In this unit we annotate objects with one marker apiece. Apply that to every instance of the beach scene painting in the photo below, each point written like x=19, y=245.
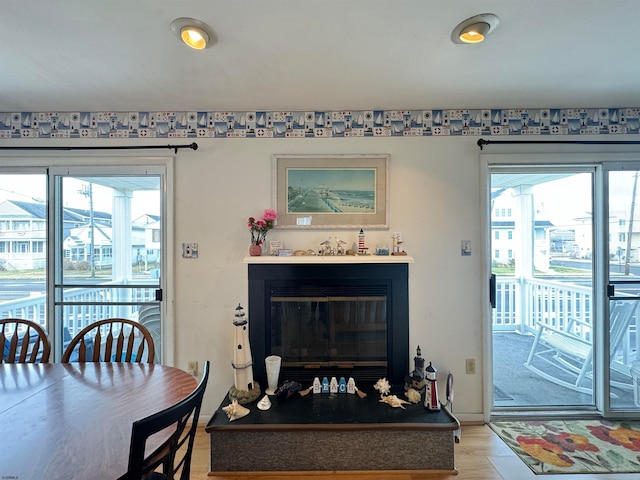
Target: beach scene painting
x=331, y=191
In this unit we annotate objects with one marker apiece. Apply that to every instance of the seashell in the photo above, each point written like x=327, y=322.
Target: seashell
x=265, y=403
x=394, y=401
x=413, y=395
x=383, y=386
x=235, y=411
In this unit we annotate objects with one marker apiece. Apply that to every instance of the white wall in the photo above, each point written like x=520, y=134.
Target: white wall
x=435, y=203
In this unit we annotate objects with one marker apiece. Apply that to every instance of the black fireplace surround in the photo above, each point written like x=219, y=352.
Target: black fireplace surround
x=330, y=320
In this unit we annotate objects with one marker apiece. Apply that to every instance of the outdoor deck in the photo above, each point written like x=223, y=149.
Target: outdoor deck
x=516, y=386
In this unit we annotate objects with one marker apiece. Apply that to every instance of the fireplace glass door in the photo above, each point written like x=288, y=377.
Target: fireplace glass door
x=330, y=335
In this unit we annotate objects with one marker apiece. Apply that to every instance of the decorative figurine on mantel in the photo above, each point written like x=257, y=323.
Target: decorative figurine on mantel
x=397, y=244
x=245, y=389
x=362, y=248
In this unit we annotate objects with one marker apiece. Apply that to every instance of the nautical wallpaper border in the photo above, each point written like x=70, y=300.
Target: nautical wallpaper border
x=362, y=123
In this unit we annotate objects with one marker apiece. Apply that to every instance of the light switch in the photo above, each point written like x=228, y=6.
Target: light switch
x=189, y=250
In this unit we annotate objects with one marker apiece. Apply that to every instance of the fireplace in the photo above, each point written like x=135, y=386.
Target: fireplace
x=330, y=317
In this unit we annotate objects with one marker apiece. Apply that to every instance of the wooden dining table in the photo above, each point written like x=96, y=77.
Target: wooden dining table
x=65, y=421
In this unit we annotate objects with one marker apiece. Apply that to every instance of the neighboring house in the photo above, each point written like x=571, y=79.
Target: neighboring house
x=23, y=233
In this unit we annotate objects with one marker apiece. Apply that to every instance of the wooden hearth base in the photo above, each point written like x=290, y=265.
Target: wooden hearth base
x=329, y=433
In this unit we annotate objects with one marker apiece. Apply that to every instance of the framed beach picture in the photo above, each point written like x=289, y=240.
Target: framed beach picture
x=331, y=191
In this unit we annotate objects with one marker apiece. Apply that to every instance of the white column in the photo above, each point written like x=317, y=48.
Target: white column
x=121, y=240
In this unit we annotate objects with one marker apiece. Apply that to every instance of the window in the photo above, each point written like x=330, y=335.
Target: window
x=21, y=247
x=510, y=234
x=508, y=212
x=496, y=254
x=510, y=254
x=497, y=235
x=20, y=226
x=92, y=208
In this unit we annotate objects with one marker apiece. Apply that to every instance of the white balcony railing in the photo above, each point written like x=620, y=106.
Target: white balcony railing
x=78, y=316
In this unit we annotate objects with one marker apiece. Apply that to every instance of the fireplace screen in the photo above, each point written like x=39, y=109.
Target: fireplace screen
x=316, y=332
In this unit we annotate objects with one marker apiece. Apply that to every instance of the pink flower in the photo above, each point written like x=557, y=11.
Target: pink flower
x=269, y=215
x=259, y=228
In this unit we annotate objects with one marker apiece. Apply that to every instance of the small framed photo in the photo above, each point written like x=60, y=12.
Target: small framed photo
x=274, y=247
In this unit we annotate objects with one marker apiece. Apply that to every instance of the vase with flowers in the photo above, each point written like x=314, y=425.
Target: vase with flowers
x=259, y=229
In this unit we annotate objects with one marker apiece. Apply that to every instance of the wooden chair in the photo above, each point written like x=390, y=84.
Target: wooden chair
x=111, y=340
x=564, y=356
x=30, y=346
x=173, y=455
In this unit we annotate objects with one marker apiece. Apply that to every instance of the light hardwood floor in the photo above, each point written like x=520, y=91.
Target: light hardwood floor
x=480, y=455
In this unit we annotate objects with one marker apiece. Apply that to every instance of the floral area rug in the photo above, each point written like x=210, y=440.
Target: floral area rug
x=574, y=446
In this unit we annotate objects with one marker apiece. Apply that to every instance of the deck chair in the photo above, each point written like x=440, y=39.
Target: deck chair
x=174, y=455
x=149, y=316
x=23, y=341
x=111, y=340
x=568, y=353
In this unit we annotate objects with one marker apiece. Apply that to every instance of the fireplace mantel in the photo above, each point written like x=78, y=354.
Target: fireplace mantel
x=328, y=259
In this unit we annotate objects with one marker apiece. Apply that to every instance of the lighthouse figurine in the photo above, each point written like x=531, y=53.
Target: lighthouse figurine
x=431, y=401
x=245, y=389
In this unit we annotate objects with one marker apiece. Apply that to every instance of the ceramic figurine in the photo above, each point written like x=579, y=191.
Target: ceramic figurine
x=317, y=386
x=325, y=385
x=246, y=390
x=416, y=379
x=342, y=385
x=326, y=247
x=333, y=385
x=431, y=401
x=351, y=386
x=362, y=249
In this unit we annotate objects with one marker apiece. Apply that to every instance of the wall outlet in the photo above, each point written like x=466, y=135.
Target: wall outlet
x=192, y=368
x=471, y=366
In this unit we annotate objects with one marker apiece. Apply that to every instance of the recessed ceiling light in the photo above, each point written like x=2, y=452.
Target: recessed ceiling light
x=475, y=29
x=193, y=33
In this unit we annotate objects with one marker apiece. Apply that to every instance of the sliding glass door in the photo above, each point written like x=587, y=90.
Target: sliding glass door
x=542, y=250
x=565, y=252
x=82, y=244
x=623, y=221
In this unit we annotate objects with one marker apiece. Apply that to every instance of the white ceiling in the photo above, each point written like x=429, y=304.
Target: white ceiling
x=300, y=55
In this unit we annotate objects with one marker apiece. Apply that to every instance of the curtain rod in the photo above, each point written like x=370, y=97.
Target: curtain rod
x=192, y=146
x=482, y=142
